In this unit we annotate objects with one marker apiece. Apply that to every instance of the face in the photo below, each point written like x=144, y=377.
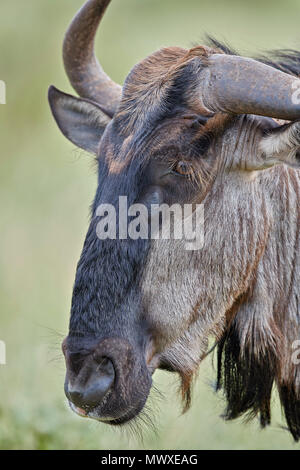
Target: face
x=114, y=344
x=142, y=304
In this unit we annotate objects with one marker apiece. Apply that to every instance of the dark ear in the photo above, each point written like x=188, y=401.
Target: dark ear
x=81, y=121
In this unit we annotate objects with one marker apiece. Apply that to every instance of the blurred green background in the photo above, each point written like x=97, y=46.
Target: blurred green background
x=46, y=186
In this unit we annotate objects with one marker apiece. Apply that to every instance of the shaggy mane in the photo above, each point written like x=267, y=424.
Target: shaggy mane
x=246, y=377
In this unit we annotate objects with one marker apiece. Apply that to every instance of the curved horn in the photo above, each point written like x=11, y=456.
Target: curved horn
x=238, y=85
x=84, y=71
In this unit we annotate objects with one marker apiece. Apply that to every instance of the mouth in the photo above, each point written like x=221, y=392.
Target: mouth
x=95, y=414
x=79, y=411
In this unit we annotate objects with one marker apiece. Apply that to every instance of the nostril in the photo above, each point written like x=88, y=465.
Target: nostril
x=94, y=395
x=105, y=366
x=99, y=381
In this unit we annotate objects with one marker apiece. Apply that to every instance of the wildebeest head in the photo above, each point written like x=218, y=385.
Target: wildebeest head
x=188, y=127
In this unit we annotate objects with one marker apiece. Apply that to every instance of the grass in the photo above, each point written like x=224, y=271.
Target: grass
x=46, y=187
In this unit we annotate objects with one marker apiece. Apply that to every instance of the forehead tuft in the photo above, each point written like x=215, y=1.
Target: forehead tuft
x=147, y=87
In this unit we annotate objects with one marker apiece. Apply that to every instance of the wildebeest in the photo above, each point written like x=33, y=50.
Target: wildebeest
x=200, y=125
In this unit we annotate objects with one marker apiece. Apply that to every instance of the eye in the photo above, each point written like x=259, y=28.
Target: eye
x=183, y=168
